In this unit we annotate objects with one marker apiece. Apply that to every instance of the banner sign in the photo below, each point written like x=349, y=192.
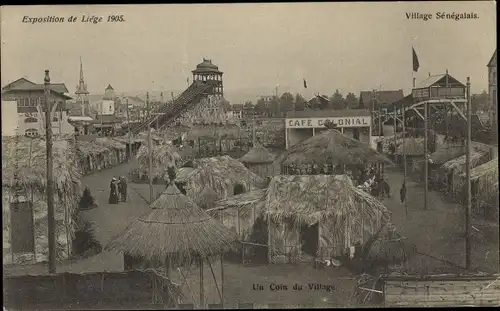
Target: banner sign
x=364, y=121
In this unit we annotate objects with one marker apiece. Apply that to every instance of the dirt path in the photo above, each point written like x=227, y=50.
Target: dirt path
x=439, y=231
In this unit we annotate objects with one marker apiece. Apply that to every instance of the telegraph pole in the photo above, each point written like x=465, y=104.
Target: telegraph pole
x=129, y=134
x=468, y=213
x=50, y=190
x=404, y=158
x=150, y=155
x=426, y=165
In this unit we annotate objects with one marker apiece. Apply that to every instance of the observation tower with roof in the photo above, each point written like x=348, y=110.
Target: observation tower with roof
x=210, y=74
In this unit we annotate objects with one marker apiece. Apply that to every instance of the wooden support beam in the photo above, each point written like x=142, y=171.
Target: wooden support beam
x=418, y=113
x=460, y=112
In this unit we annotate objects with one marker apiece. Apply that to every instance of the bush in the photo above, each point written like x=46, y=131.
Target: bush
x=85, y=243
x=87, y=200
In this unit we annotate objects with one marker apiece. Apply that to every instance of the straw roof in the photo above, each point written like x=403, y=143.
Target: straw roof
x=88, y=148
x=18, y=170
x=258, y=155
x=221, y=174
x=207, y=197
x=446, y=153
x=310, y=199
x=412, y=146
x=241, y=201
x=175, y=228
x=125, y=139
x=110, y=143
x=332, y=147
x=488, y=170
x=163, y=156
x=32, y=172
x=459, y=163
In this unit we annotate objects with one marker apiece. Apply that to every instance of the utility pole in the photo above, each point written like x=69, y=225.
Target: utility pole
x=129, y=134
x=404, y=157
x=150, y=152
x=468, y=213
x=50, y=190
x=395, y=125
x=426, y=165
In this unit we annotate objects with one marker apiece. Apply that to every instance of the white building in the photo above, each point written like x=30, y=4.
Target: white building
x=9, y=118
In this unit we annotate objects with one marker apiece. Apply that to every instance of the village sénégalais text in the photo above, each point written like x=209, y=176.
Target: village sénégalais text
x=441, y=16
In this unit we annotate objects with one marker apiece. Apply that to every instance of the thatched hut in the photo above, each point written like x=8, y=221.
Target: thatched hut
x=132, y=143
x=456, y=167
x=307, y=217
x=24, y=194
x=221, y=174
x=91, y=156
x=118, y=150
x=332, y=147
x=261, y=161
x=320, y=216
x=176, y=233
x=163, y=156
x=484, y=186
x=442, y=155
x=343, y=153
x=240, y=212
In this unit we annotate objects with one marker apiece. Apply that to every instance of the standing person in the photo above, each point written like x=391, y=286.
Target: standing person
x=113, y=192
x=402, y=192
x=123, y=188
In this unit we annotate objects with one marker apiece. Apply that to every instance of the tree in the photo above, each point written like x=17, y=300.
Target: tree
x=248, y=105
x=300, y=102
x=274, y=106
x=260, y=107
x=286, y=102
x=225, y=105
x=351, y=101
x=479, y=102
x=337, y=100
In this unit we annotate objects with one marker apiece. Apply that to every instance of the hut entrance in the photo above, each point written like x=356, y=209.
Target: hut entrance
x=309, y=239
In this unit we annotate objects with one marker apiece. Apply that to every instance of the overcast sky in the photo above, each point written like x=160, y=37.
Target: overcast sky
x=349, y=46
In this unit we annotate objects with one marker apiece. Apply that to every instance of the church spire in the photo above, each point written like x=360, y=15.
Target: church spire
x=82, y=87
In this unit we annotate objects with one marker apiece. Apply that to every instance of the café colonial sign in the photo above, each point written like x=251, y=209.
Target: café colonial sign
x=357, y=121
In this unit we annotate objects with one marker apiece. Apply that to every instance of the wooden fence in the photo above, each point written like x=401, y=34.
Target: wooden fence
x=81, y=291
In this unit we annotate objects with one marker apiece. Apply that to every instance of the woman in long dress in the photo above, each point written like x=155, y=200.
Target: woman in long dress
x=113, y=192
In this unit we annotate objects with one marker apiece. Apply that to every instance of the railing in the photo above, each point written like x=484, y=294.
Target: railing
x=174, y=108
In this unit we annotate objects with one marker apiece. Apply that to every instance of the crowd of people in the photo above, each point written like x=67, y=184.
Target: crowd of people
x=118, y=190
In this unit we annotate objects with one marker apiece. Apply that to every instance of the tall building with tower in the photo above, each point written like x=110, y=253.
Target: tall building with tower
x=82, y=93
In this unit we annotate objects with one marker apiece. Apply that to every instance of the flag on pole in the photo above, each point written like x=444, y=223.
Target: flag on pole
x=416, y=64
x=305, y=84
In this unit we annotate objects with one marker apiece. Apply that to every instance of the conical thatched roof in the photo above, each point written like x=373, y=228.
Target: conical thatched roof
x=258, y=155
x=446, y=153
x=332, y=147
x=176, y=228
x=309, y=199
x=207, y=197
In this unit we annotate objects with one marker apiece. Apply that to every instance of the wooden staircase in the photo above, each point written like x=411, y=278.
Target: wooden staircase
x=173, y=109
